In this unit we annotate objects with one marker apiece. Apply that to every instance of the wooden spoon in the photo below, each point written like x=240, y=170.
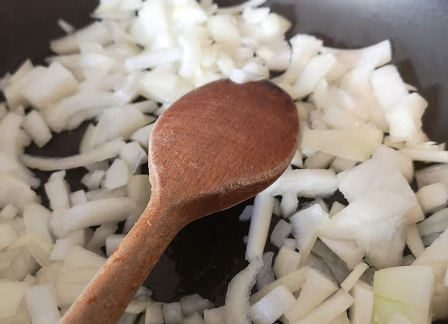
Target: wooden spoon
x=214, y=148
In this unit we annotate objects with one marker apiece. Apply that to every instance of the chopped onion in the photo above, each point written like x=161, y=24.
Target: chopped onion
x=413, y=240
x=35, y=126
x=96, y=212
x=57, y=190
x=266, y=275
x=7, y=235
x=293, y=281
x=259, y=225
x=403, y=290
x=286, y=261
x=117, y=175
x=362, y=308
x=94, y=33
x=280, y=232
x=432, y=197
x=215, y=315
x=353, y=277
x=288, y=204
x=154, y=314
x=41, y=304
x=98, y=239
x=312, y=74
x=329, y=309
x=12, y=293
x=100, y=153
x=59, y=83
x=307, y=223
x=269, y=308
x=194, y=304
x=318, y=160
x=237, y=298
x=172, y=313
x=305, y=183
x=435, y=223
x=316, y=289
x=356, y=144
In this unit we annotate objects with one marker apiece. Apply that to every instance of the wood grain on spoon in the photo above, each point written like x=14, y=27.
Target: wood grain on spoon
x=214, y=148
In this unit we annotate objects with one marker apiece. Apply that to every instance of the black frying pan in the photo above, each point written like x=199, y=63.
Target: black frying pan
x=209, y=252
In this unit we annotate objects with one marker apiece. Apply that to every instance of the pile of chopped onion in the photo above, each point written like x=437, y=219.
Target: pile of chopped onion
x=336, y=261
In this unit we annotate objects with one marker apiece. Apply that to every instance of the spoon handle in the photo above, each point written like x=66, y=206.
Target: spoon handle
x=106, y=297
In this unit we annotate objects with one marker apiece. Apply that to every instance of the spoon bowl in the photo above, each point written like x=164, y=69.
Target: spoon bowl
x=212, y=149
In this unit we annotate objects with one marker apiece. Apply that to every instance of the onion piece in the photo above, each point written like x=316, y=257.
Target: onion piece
x=288, y=204
x=57, y=190
x=41, y=304
x=13, y=87
x=305, y=183
x=215, y=315
x=8, y=212
x=399, y=319
x=59, y=83
x=60, y=249
x=340, y=319
x=154, y=314
x=153, y=59
x=405, y=117
x=312, y=74
x=7, y=235
x=194, y=318
x=434, y=174
x=307, y=223
x=403, y=290
x=194, y=304
x=237, y=297
x=336, y=208
x=117, y=175
x=329, y=309
x=35, y=126
x=362, y=308
x=286, y=261
x=413, y=240
x=418, y=154
x=94, y=33
x=354, y=276
x=374, y=55
x=403, y=162
x=14, y=191
x=163, y=86
x=259, y=225
x=87, y=102
x=268, y=309
x=355, y=144
x=432, y=197
x=103, y=152
x=92, y=180
x=435, y=223
x=98, y=239
x=280, y=232
x=316, y=289
x=12, y=293
x=293, y=281
x=388, y=86
x=266, y=275
x=318, y=160
x=172, y=313
x=96, y=212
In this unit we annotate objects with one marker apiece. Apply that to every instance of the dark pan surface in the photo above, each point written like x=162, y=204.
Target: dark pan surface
x=206, y=254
